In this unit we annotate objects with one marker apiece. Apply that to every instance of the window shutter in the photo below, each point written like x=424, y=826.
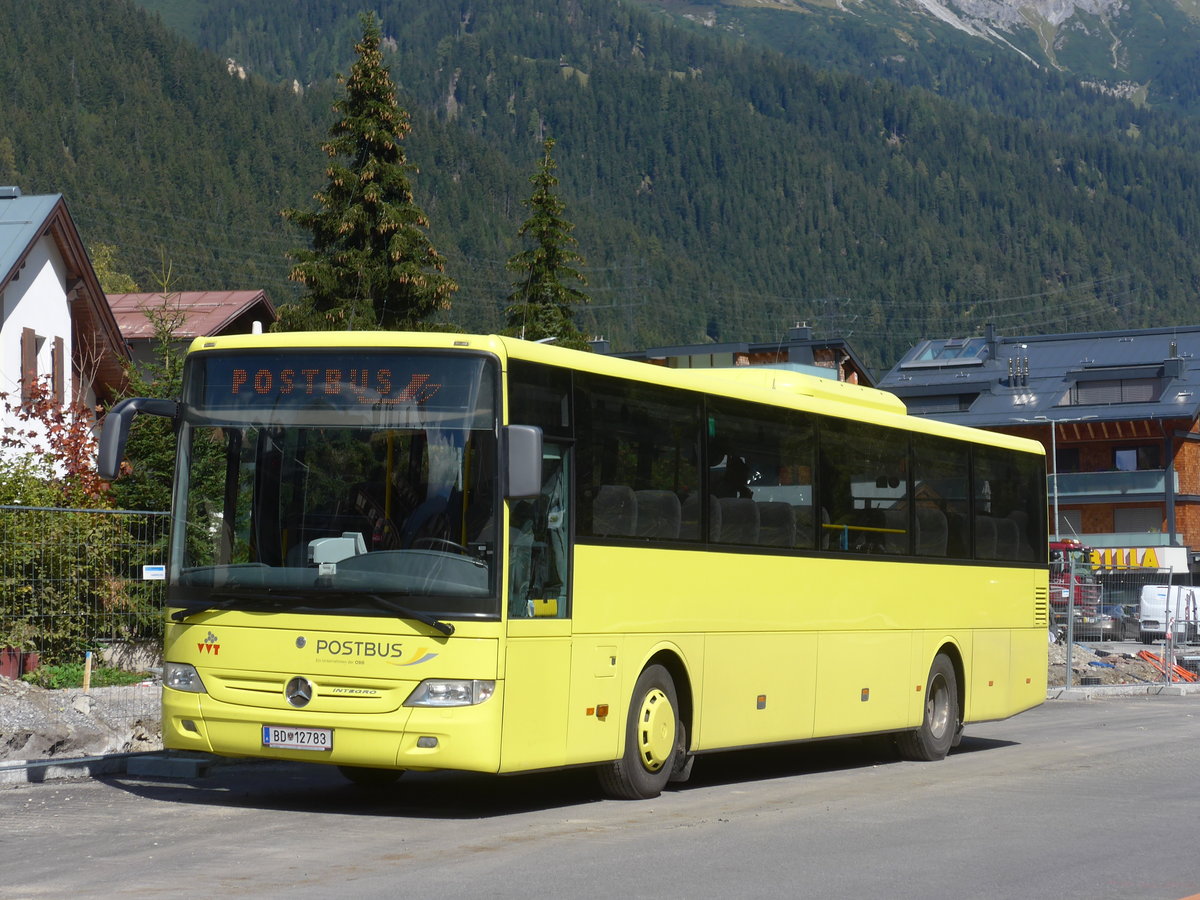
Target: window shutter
x=28, y=363
x=59, y=373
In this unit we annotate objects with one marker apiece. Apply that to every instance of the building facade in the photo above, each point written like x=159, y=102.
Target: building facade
x=1118, y=414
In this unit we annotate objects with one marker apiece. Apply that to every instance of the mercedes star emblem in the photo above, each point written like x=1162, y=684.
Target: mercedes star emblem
x=299, y=691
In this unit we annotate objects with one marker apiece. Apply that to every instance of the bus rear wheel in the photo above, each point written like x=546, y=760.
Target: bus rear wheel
x=942, y=720
x=653, y=740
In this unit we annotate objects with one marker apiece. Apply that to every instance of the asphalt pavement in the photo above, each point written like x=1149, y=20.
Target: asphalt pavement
x=1070, y=800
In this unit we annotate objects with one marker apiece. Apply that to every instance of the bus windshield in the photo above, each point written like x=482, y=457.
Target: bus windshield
x=359, y=483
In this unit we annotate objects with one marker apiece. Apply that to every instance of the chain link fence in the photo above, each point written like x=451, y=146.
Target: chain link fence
x=81, y=593
x=1156, y=608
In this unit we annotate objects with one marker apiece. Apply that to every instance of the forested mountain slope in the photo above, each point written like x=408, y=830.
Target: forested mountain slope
x=151, y=143
x=185, y=167
x=718, y=190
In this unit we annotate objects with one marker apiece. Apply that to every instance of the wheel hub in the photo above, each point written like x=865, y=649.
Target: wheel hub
x=938, y=707
x=656, y=730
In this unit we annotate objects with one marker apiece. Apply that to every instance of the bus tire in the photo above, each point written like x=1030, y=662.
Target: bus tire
x=653, y=739
x=364, y=776
x=942, y=720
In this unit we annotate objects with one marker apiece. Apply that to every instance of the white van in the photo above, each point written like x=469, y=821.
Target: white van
x=1162, y=603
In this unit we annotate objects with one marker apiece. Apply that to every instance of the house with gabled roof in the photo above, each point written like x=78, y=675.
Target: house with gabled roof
x=1117, y=411
x=192, y=314
x=56, y=323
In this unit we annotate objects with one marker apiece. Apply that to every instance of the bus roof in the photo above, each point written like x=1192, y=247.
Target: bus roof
x=778, y=387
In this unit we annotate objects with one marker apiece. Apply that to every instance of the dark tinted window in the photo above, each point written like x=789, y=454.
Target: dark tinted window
x=1131, y=459
x=760, y=476
x=638, y=460
x=941, y=497
x=541, y=396
x=1010, y=510
x=864, y=488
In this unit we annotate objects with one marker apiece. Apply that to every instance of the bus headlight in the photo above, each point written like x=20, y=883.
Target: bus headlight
x=450, y=692
x=182, y=677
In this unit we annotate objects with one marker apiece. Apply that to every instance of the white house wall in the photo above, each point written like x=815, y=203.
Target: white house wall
x=37, y=299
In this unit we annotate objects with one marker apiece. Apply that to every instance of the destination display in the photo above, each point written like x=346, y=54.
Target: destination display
x=314, y=379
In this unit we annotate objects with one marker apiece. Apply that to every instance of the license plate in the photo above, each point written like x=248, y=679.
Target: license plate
x=297, y=738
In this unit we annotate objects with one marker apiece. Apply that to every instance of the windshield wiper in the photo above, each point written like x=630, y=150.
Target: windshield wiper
x=444, y=627
x=230, y=599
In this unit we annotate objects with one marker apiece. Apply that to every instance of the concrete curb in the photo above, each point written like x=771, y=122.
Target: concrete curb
x=1100, y=691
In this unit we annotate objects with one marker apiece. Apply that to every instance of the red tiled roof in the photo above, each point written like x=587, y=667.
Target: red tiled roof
x=205, y=312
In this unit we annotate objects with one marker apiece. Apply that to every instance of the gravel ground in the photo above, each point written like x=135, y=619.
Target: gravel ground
x=36, y=723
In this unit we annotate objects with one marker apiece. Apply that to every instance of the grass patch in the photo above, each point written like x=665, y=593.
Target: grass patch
x=70, y=675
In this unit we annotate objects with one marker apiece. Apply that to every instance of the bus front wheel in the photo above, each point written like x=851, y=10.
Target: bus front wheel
x=942, y=720
x=653, y=735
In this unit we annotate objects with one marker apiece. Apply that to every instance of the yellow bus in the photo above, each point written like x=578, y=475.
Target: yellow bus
x=402, y=551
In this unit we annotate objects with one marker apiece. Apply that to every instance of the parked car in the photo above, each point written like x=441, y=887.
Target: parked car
x=1109, y=623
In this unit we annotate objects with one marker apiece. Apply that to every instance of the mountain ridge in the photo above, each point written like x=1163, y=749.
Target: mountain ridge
x=1147, y=51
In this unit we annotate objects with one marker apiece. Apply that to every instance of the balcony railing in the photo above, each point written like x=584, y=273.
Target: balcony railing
x=1144, y=482
x=1126, y=539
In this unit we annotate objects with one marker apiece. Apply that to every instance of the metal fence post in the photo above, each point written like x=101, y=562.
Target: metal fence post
x=1071, y=591
x=1169, y=618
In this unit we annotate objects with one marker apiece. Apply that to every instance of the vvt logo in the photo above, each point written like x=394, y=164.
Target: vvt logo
x=210, y=645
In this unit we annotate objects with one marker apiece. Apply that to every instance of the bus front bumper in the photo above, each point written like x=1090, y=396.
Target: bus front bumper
x=463, y=737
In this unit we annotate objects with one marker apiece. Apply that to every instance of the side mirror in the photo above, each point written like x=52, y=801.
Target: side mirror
x=115, y=431
x=523, y=455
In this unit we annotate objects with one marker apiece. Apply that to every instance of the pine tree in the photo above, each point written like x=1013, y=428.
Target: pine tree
x=541, y=305
x=371, y=264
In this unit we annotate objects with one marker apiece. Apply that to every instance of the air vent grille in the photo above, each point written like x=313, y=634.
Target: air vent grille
x=1041, y=607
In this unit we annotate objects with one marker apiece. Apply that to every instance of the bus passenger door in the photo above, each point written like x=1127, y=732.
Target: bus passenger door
x=538, y=656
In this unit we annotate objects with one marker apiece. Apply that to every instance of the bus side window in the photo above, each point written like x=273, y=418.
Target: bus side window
x=520, y=559
x=760, y=470
x=538, y=537
x=864, y=486
x=540, y=528
x=638, y=458
x=1008, y=518
x=941, y=472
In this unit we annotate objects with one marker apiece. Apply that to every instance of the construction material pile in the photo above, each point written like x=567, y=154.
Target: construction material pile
x=36, y=723
x=1094, y=665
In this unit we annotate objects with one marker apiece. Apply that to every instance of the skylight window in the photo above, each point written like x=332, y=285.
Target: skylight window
x=952, y=352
